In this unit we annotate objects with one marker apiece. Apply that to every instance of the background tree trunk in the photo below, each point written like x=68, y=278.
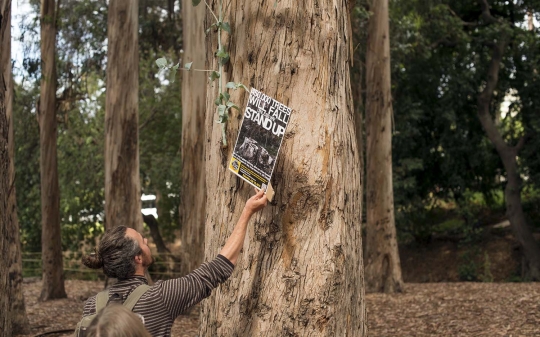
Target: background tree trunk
x=17, y=312
x=5, y=319
x=301, y=269
x=508, y=155
x=122, y=183
x=193, y=198
x=382, y=266
x=153, y=225
x=51, y=242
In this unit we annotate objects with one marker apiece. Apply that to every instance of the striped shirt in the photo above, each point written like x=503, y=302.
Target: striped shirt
x=166, y=300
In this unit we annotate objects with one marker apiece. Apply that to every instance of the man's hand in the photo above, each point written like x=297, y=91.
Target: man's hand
x=256, y=202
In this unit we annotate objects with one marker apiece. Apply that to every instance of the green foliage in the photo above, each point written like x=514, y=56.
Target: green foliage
x=159, y=142
x=81, y=50
x=468, y=269
x=27, y=179
x=222, y=102
x=439, y=65
x=81, y=173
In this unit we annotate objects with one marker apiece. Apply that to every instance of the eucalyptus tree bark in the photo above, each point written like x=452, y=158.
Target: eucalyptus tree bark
x=5, y=298
x=300, y=273
x=357, y=85
x=508, y=155
x=193, y=198
x=122, y=183
x=382, y=265
x=51, y=242
x=17, y=310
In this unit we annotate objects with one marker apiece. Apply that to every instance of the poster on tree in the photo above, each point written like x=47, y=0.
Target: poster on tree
x=259, y=140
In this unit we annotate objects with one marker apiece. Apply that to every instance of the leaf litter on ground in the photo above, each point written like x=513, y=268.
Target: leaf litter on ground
x=424, y=309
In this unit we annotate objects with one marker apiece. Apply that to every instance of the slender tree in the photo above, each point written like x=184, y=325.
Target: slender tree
x=122, y=184
x=17, y=313
x=5, y=319
x=301, y=269
x=507, y=152
x=193, y=199
x=51, y=243
x=382, y=266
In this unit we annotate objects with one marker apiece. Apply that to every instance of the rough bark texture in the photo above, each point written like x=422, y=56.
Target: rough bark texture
x=382, y=266
x=357, y=85
x=5, y=319
x=18, y=316
x=300, y=273
x=193, y=198
x=51, y=244
x=508, y=155
x=122, y=184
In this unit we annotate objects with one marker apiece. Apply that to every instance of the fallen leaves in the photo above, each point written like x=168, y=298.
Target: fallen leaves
x=424, y=309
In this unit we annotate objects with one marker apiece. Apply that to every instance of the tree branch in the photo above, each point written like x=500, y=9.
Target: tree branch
x=153, y=224
x=521, y=142
x=486, y=13
x=148, y=120
x=485, y=97
x=464, y=23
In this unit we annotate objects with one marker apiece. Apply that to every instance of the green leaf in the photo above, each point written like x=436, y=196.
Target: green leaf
x=224, y=60
x=175, y=67
x=195, y=2
x=172, y=75
x=226, y=27
x=240, y=85
x=231, y=85
x=213, y=76
x=222, y=53
x=222, y=119
x=226, y=96
x=232, y=105
x=222, y=112
x=161, y=62
x=188, y=66
x=218, y=101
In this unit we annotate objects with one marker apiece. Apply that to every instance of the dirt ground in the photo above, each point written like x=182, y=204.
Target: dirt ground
x=425, y=309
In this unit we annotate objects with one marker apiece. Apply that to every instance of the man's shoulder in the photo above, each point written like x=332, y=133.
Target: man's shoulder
x=90, y=306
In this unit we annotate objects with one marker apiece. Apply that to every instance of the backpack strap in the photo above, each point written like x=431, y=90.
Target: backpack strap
x=102, y=299
x=135, y=295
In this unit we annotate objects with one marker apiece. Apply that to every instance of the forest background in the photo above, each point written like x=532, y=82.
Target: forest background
x=448, y=178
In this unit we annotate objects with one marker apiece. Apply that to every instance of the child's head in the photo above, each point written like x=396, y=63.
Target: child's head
x=117, y=321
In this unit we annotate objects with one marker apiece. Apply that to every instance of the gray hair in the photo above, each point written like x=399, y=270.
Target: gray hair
x=116, y=254
x=115, y=320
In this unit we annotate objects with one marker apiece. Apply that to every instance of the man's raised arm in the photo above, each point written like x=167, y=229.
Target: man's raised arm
x=234, y=243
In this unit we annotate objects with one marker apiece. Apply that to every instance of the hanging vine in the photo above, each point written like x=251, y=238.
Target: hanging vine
x=222, y=102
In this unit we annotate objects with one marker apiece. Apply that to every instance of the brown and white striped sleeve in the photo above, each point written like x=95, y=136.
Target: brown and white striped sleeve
x=182, y=293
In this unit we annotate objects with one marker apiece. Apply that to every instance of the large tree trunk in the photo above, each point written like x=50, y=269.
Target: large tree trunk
x=5, y=298
x=17, y=313
x=193, y=198
x=301, y=270
x=508, y=155
x=382, y=266
x=122, y=184
x=51, y=242
x=357, y=85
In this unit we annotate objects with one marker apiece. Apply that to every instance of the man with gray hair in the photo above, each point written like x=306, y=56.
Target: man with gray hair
x=124, y=254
